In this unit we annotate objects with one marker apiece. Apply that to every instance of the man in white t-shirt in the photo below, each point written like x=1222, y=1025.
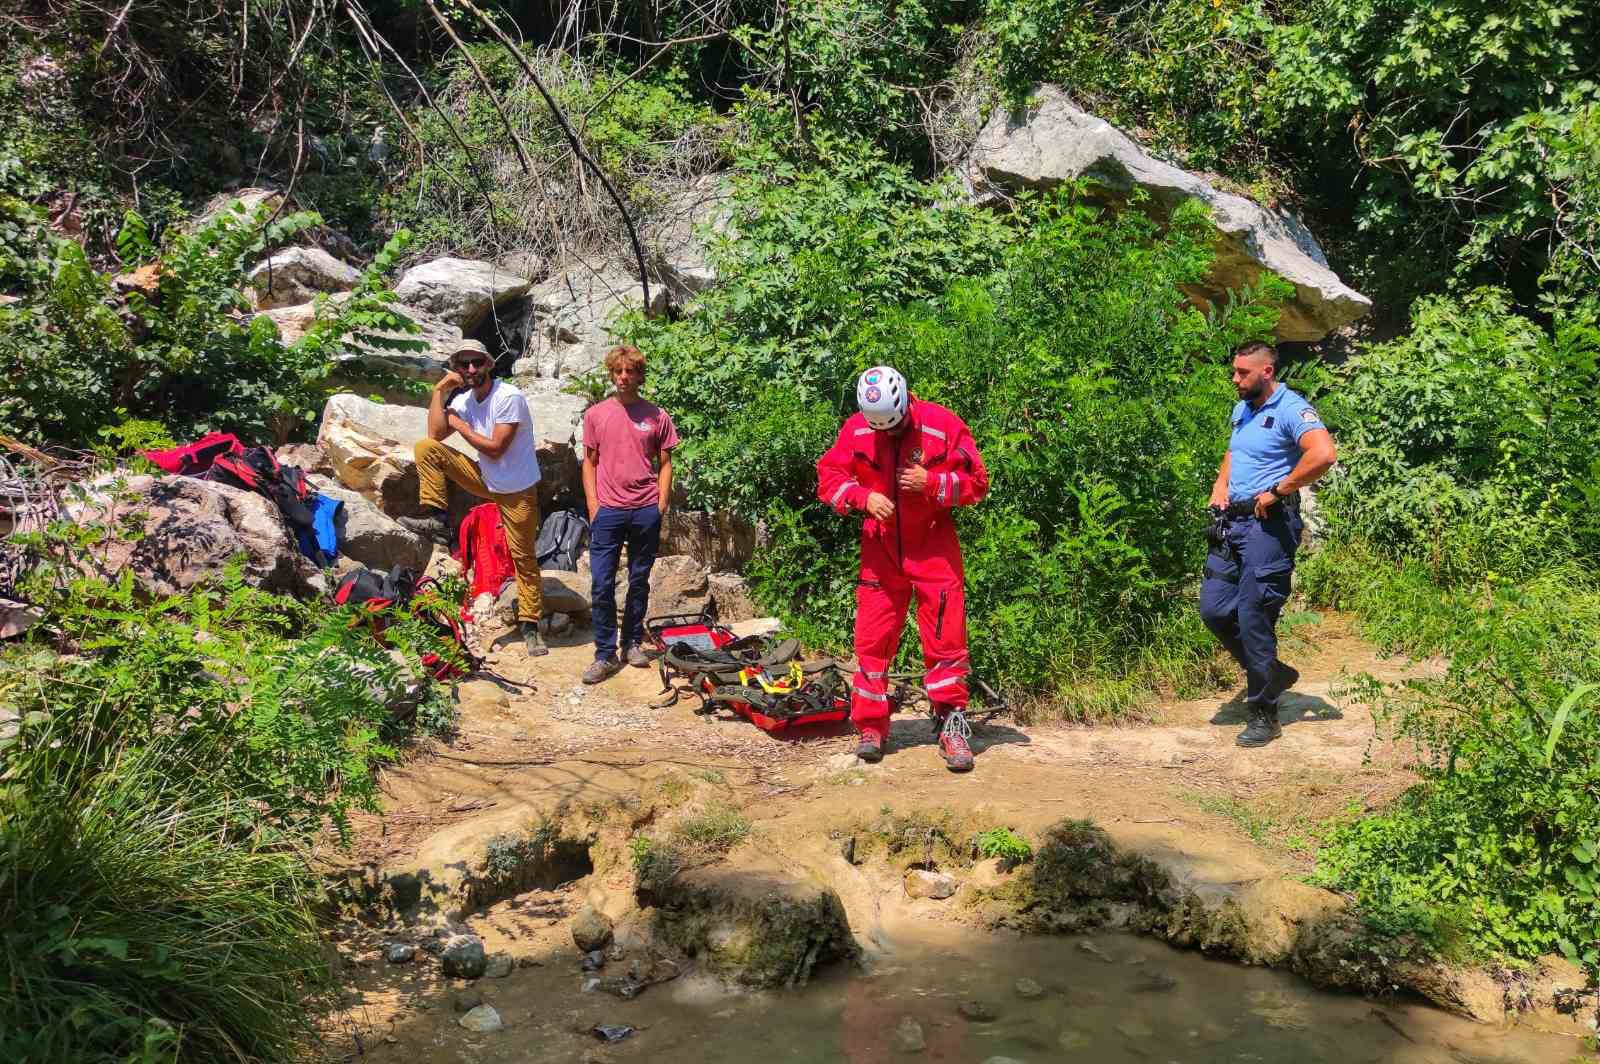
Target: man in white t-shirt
x=492, y=416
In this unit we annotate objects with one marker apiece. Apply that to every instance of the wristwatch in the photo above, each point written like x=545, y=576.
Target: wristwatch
x=1281, y=494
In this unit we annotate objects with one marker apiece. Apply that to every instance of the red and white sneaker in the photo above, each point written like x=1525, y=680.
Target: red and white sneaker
x=870, y=749
x=954, y=736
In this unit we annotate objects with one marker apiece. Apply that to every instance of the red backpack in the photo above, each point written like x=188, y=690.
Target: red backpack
x=375, y=593
x=193, y=459
x=484, y=553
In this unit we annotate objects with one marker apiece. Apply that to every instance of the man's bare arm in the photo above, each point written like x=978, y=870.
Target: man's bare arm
x=591, y=490
x=1219, y=489
x=1317, y=455
x=488, y=446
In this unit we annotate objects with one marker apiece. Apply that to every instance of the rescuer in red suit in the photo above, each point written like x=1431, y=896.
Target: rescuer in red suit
x=906, y=463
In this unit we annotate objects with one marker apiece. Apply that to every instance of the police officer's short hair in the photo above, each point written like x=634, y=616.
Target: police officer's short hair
x=1258, y=347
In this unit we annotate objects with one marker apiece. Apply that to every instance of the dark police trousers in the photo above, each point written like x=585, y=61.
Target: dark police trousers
x=1245, y=587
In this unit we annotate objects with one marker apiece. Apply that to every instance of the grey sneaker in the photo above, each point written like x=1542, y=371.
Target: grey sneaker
x=434, y=526
x=640, y=658
x=601, y=669
x=533, y=640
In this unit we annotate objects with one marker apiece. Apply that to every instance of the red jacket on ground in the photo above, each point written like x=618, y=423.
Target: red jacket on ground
x=916, y=549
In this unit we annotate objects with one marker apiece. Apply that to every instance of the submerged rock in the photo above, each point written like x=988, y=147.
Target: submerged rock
x=1072, y=1040
x=499, y=966
x=400, y=953
x=483, y=1019
x=908, y=1037
x=977, y=1011
x=1028, y=990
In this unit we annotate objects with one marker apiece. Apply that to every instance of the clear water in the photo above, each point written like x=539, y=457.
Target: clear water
x=1129, y=1000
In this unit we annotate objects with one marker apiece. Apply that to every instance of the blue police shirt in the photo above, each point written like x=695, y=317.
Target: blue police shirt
x=1265, y=444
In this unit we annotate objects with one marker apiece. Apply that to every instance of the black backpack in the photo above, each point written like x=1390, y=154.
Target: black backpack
x=256, y=469
x=377, y=592
x=562, y=538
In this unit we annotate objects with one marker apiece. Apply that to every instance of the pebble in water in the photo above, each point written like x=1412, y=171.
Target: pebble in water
x=977, y=1011
x=483, y=1019
x=1029, y=990
x=401, y=953
x=1072, y=1040
x=908, y=1036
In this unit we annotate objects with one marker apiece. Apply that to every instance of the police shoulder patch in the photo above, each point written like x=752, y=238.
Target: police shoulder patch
x=1309, y=414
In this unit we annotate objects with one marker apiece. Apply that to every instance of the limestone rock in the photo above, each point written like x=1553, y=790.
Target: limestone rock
x=464, y=958
x=191, y=529
x=370, y=536
x=248, y=199
x=1055, y=142
x=678, y=584
x=482, y=1020
x=460, y=291
x=499, y=966
x=675, y=235
x=293, y=322
x=307, y=457
x=557, y=415
x=908, y=1036
x=721, y=540
x=732, y=594
x=370, y=446
x=400, y=953
x=591, y=930
x=924, y=884
x=564, y=592
x=298, y=275
x=567, y=332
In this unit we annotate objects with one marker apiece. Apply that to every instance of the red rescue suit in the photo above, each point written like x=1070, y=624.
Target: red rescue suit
x=914, y=550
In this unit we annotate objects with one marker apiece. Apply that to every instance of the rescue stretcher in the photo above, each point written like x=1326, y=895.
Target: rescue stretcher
x=766, y=681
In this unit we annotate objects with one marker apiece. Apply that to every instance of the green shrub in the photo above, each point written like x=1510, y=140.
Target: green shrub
x=79, y=359
x=138, y=923
x=1466, y=443
x=1494, y=853
x=716, y=830
x=1005, y=844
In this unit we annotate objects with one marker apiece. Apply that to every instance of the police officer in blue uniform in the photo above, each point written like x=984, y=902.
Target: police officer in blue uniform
x=1278, y=446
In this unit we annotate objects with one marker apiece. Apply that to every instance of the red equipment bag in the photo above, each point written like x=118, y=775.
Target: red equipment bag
x=764, y=682
x=376, y=593
x=194, y=459
x=483, y=552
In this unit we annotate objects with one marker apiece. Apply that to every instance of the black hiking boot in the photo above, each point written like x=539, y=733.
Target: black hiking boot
x=1284, y=677
x=1262, y=729
x=433, y=526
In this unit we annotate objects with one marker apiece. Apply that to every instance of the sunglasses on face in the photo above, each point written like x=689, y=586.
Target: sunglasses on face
x=471, y=363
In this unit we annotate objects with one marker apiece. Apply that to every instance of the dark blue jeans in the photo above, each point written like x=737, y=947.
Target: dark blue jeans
x=640, y=531
x=1246, y=585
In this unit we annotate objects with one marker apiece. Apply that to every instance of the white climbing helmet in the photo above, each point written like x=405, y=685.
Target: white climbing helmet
x=883, y=397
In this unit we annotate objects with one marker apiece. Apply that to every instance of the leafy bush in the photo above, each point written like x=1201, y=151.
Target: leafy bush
x=182, y=349
x=717, y=829
x=1466, y=443
x=1005, y=844
x=1495, y=851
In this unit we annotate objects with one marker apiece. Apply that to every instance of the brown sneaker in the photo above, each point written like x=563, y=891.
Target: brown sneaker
x=601, y=670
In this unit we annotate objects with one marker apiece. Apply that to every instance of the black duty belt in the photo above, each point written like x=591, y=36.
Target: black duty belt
x=1247, y=507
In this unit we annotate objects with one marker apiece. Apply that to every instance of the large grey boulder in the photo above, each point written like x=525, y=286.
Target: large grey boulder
x=1053, y=141
x=191, y=530
x=461, y=292
x=370, y=536
x=429, y=364
x=298, y=275
x=676, y=234
x=566, y=331
x=722, y=540
x=678, y=583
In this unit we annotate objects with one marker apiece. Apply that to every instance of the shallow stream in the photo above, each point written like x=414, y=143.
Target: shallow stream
x=1104, y=998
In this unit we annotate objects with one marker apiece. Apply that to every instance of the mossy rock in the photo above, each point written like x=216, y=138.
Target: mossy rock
x=753, y=922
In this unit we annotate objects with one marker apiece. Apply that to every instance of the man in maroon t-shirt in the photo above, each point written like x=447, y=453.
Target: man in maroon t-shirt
x=627, y=480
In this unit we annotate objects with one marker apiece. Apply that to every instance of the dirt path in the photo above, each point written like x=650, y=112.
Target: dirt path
x=1176, y=789
x=554, y=738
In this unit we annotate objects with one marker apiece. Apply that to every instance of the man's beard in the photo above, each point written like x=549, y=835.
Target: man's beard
x=1250, y=395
